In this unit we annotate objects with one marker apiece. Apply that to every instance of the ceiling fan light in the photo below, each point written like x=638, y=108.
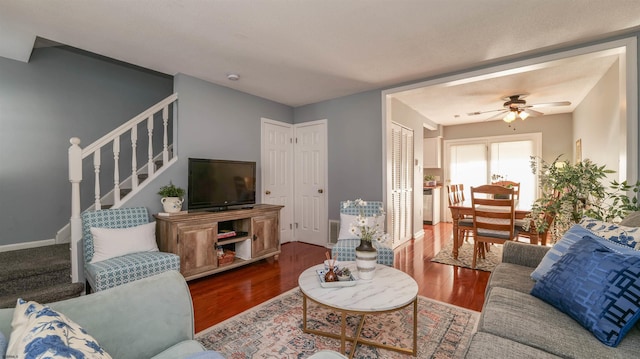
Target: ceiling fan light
x=523, y=115
x=510, y=117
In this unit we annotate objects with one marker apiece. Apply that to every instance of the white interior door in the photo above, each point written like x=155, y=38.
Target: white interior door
x=277, y=172
x=310, y=217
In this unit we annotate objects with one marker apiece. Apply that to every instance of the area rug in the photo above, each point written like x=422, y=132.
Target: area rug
x=274, y=330
x=465, y=256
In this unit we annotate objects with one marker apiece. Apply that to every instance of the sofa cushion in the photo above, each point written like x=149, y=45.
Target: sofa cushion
x=631, y=220
x=347, y=221
x=622, y=235
x=485, y=345
x=124, y=269
x=573, y=235
x=526, y=319
x=595, y=286
x=183, y=349
x=39, y=331
x=113, y=242
x=512, y=276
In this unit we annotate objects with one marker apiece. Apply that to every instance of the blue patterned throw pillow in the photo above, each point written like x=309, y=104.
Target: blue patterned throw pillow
x=598, y=288
x=3, y=345
x=573, y=235
x=622, y=235
x=41, y=332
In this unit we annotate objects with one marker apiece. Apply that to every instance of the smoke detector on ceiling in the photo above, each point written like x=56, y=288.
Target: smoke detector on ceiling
x=233, y=77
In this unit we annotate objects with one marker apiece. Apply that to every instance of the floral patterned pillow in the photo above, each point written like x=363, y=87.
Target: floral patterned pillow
x=41, y=332
x=622, y=235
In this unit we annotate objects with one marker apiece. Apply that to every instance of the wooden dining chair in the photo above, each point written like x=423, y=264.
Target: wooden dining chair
x=510, y=184
x=542, y=236
x=493, y=218
x=456, y=197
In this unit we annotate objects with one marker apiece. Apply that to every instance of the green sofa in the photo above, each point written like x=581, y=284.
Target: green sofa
x=148, y=318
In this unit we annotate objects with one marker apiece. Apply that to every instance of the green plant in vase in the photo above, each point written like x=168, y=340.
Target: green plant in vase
x=171, y=197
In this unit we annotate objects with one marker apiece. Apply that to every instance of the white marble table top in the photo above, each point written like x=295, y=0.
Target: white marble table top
x=389, y=289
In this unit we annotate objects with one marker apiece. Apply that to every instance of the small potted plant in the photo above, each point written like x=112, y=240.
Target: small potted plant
x=171, y=198
x=429, y=181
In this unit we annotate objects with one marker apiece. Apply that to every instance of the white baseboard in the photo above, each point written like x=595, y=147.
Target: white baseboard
x=26, y=245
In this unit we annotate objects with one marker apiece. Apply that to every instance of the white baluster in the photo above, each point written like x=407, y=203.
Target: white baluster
x=150, y=167
x=116, y=171
x=134, y=157
x=75, y=177
x=165, y=139
x=96, y=170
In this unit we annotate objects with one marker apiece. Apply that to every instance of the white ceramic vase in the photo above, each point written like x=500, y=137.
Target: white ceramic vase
x=366, y=259
x=172, y=204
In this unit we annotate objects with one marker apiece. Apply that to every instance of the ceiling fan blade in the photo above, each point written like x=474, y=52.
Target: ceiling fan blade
x=550, y=104
x=533, y=113
x=496, y=116
x=482, y=112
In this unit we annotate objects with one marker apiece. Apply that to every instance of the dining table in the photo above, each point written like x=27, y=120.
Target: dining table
x=464, y=209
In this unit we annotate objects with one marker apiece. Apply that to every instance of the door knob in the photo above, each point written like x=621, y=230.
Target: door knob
x=267, y=192
x=320, y=190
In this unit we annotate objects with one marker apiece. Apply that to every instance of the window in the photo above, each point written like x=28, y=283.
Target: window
x=472, y=162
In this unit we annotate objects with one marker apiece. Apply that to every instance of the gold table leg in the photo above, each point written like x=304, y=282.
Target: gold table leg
x=357, y=339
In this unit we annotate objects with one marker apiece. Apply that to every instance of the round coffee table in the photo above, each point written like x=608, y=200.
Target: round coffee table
x=390, y=290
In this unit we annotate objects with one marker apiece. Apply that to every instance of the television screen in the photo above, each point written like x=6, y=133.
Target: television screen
x=218, y=184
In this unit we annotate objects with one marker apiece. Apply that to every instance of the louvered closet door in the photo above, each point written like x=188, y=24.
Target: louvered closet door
x=402, y=183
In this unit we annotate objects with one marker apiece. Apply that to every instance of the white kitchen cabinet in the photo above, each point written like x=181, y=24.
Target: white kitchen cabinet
x=433, y=152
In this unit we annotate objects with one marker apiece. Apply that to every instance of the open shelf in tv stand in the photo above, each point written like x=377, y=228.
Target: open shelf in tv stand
x=194, y=237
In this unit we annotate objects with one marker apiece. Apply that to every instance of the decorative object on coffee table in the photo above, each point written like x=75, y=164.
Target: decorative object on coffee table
x=171, y=198
x=368, y=229
x=366, y=258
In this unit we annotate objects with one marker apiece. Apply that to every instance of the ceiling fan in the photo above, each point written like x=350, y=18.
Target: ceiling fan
x=516, y=107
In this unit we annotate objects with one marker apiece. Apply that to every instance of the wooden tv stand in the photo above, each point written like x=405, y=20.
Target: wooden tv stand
x=194, y=237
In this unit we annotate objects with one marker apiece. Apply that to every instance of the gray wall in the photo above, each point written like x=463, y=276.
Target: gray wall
x=598, y=124
x=59, y=94
x=354, y=158
x=213, y=122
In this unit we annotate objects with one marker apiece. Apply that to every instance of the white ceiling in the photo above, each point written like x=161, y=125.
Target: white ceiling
x=301, y=52
x=569, y=79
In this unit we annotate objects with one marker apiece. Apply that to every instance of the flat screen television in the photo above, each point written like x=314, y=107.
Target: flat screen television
x=216, y=185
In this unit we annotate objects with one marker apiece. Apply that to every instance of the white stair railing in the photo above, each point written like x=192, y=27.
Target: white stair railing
x=94, y=150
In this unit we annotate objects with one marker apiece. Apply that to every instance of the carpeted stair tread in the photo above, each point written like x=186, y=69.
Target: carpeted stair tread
x=30, y=262
x=44, y=295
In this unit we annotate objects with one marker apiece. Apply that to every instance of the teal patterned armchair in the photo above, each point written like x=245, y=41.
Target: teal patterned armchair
x=345, y=249
x=125, y=268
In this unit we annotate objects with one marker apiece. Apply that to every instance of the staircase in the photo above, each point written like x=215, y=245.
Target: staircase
x=112, y=146
x=41, y=274
x=52, y=273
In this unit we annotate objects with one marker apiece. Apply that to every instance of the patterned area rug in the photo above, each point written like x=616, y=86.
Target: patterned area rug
x=274, y=330
x=465, y=256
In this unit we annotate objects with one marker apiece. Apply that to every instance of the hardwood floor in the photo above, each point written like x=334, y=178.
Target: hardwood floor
x=223, y=295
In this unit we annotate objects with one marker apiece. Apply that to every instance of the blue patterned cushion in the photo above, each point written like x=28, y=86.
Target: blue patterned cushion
x=345, y=251
x=124, y=269
x=41, y=332
x=573, y=235
x=625, y=236
x=597, y=287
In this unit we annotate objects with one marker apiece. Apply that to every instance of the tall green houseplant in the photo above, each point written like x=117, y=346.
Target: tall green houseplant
x=568, y=191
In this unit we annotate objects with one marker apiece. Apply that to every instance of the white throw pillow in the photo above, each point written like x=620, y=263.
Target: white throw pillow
x=41, y=332
x=114, y=242
x=346, y=220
